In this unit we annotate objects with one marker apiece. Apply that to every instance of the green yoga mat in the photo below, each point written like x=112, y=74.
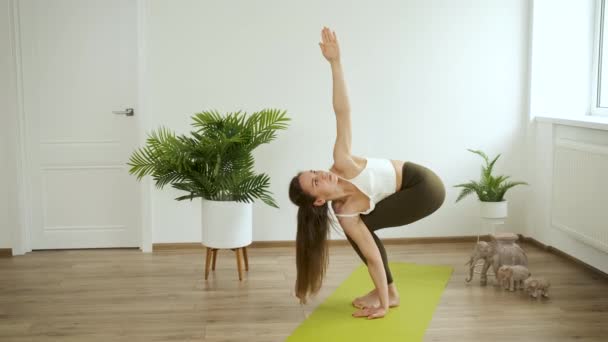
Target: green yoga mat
x=420, y=287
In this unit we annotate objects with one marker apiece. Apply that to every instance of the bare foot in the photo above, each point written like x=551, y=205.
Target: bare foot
x=373, y=300
x=361, y=302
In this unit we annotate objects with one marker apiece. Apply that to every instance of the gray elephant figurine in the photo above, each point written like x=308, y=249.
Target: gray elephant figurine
x=537, y=286
x=482, y=250
x=501, y=250
x=512, y=276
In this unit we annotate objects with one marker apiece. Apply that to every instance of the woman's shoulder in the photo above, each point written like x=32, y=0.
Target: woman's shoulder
x=349, y=167
x=343, y=208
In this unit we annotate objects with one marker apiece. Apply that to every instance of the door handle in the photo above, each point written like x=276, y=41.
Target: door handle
x=127, y=112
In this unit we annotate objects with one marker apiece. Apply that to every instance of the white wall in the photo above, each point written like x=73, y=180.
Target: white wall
x=562, y=57
x=426, y=79
x=8, y=188
x=562, y=47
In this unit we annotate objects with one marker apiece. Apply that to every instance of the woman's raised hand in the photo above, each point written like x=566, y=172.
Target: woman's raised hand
x=329, y=45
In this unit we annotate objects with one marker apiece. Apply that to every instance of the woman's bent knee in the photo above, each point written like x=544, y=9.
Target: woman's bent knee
x=436, y=193
x=440, y=196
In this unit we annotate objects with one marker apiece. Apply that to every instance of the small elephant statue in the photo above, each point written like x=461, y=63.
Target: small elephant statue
x=501, y=250
x=536, y=286
x=482, y=250
x=512, y=276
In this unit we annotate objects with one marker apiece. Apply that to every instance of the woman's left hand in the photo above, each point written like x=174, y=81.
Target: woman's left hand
x=329, y=46
x=371, y=312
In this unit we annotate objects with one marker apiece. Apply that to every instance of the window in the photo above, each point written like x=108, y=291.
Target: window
x=599, y=88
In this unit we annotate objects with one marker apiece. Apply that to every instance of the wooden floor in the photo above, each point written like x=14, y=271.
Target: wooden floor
x=125, y=295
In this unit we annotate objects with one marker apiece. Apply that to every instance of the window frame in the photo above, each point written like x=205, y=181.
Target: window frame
x=598, y=61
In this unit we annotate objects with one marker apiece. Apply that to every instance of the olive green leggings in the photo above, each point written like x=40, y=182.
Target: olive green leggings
x=422, y=193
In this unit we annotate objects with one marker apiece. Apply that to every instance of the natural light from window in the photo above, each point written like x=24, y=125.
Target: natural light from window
x=599, y=105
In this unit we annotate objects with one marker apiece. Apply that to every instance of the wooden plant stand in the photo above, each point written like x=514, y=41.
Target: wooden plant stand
x=241, y=253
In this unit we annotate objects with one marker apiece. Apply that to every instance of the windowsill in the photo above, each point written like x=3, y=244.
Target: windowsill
x=587, y=121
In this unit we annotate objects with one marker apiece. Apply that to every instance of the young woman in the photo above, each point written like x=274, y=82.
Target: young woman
x=365, y=194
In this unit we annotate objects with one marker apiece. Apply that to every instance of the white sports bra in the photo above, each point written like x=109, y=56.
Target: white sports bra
x=377, y=181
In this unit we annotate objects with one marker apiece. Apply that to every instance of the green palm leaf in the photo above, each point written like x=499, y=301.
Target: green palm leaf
x=490, y=188
x=215, y=161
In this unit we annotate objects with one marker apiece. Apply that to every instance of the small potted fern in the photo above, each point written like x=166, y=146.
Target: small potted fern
x=214, y=162
x=490, y=190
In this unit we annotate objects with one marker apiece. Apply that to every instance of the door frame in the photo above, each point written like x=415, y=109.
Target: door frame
x=22, y=231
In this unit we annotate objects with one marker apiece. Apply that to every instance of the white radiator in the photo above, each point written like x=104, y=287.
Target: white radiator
x=579, y=205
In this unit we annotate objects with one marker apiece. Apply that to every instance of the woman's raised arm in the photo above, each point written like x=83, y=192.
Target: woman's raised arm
x=331, y=52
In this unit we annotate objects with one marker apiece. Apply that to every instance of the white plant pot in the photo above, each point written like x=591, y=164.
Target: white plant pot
x=493, y=210
x=226, y=224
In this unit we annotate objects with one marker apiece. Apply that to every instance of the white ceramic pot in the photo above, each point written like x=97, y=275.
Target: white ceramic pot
x=493, y=210
x=226, y=224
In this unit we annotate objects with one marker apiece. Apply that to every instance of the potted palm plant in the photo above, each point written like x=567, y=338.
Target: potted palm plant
x=214, y=162
x=490, y=190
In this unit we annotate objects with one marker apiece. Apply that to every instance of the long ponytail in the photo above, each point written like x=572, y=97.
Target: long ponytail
x=312, y=252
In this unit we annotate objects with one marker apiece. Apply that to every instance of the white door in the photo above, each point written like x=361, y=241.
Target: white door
x=79, y=61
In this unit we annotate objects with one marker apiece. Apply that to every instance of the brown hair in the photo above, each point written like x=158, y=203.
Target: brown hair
x=312, y=254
